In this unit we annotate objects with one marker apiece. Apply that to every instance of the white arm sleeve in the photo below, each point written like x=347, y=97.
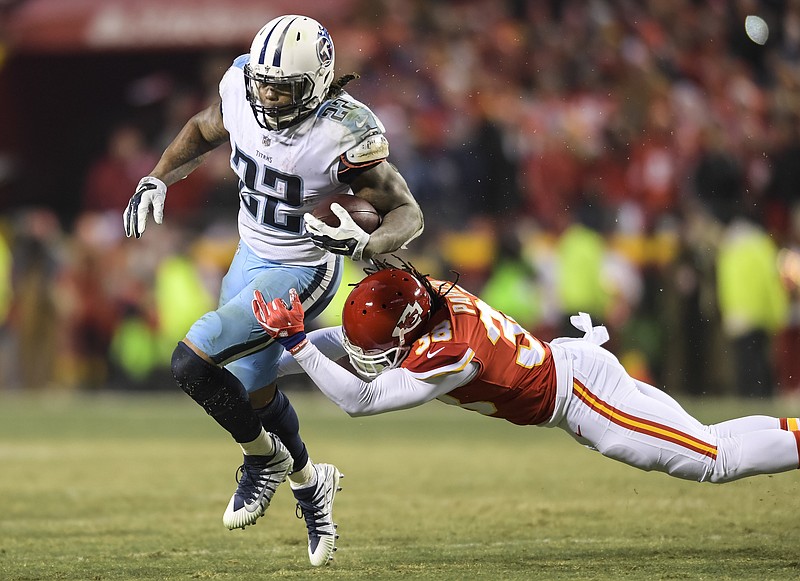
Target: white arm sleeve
x=395, y=389
x=327, y=340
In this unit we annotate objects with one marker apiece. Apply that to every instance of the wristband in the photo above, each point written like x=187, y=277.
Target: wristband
x=292, y=341
x=299, y=347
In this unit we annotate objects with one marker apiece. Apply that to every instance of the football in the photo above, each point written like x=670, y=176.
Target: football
x=361, y=211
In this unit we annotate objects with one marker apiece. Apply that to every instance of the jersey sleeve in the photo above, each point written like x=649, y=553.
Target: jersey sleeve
x=395, y=389
x=369, y=153
x=432, y=359
x=232, y=93
x=363, y=143
x=328, y=340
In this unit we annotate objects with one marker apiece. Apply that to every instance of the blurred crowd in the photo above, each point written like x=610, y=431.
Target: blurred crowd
x=636, y=160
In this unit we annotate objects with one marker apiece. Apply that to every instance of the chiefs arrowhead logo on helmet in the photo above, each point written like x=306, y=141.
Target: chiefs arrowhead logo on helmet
x=409, y=320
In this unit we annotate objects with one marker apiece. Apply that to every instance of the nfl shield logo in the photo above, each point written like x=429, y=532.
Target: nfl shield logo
x=266, y=141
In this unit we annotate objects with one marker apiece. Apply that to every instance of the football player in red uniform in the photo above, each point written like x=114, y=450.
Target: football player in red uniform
x=412, y=339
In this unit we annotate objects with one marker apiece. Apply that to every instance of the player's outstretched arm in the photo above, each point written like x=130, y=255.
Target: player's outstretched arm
x=327, y=339
x=282, y=323
x=202, y=133
x=393, y=390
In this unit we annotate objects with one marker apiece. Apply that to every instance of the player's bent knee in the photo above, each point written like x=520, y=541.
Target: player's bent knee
x=216, y=389
x=191, y=372
x=721, y=473
x=262, y=397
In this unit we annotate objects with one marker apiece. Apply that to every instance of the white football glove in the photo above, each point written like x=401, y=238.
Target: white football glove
x=150, y=192
x=348, y=238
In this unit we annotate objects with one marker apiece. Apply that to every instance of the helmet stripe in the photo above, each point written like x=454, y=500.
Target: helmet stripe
x=266, y=41
x=276, y=60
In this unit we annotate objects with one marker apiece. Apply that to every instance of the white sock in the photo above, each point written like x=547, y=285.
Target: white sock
x=306, y=476
x=261, y=446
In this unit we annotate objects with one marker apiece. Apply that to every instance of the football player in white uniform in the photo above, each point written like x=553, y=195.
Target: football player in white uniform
x=295, y=137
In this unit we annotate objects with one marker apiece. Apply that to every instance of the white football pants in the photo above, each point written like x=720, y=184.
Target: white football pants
x=642, y=426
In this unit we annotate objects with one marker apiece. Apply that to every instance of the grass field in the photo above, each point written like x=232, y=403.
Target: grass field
x=133, y=487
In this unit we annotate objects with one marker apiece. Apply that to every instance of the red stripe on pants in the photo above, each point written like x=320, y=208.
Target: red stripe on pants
x=797, y=441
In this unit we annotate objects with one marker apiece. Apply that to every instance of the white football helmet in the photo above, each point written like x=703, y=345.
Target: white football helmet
x=295, y=52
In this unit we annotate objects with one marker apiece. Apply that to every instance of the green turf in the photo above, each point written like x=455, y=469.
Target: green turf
x=122, y=487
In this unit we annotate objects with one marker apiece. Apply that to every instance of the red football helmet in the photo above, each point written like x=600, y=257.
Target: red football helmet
x=382, y=317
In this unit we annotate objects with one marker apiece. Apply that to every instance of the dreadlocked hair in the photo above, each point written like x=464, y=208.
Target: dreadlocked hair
x=337, y=86
x=437, y=294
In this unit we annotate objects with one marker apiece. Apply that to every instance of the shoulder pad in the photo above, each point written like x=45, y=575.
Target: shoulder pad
x=352, y=114
x=240, y=61
x=425, y=362
x=373, y=148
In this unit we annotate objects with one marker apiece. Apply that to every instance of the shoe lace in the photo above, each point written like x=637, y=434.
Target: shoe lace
x=247, y=476
x=313, y=516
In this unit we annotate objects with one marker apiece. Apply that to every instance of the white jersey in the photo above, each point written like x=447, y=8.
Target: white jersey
x=282, y=174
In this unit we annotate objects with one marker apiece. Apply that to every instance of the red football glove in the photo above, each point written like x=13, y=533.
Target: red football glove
x=283, y=324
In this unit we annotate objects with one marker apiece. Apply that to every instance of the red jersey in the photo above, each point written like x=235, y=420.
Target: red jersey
x=516, y=380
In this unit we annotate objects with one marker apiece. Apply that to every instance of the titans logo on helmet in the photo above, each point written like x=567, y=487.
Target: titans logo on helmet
x=324, y=47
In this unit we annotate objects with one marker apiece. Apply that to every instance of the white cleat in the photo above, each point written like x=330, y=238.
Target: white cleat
x=260, y=477
x=315, y=505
